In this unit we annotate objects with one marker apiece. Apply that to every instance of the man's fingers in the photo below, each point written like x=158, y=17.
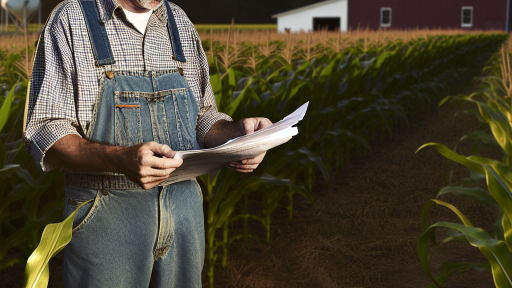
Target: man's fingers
x=157, y=172
x=162, y=150
x=162, y=163
x=152, y=179
x=245, y=167
x=249, y=125
x=238, y=170
x=251, y=161
x=262, y=123
x=150, y=182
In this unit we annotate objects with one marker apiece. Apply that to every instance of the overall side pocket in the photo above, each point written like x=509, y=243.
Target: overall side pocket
x=76, y=196
x=127, y=113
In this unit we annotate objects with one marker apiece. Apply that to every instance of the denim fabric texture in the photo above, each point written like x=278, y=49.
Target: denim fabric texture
x=133, y=237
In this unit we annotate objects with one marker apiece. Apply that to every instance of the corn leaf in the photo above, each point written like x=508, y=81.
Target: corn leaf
x=455, y=157
x=496, y=251
x=501, y=192
x=462, y=217
x=11, y=262
x=447, y=270
x=478, y=194
x=5, y=111
x=55, y=237
x=3, y=153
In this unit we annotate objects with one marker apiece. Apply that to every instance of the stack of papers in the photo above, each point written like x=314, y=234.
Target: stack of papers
x=200, y=162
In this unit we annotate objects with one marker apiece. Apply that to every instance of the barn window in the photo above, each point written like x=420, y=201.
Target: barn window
x=385, y=17
x=467, y=16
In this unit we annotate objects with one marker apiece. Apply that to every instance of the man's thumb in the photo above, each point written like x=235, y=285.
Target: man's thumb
x=163, y=150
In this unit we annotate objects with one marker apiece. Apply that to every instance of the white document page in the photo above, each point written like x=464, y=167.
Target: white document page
x=200, y=162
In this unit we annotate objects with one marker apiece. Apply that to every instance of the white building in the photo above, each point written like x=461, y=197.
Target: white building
x=331, y=14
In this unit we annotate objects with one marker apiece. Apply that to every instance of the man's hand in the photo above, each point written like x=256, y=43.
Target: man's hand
x=223, y=131
x=148, y=164
x=246, y=127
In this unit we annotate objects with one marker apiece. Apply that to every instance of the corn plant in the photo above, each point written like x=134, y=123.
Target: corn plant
x=28, y=199
x=493, y=103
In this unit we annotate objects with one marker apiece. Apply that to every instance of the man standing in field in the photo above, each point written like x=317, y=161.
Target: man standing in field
x=117, y=87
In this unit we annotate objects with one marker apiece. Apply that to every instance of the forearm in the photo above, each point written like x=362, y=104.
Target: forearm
x=76, y=153
x=221, y=132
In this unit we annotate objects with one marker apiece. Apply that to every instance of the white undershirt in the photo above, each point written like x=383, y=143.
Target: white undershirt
x=139, y=20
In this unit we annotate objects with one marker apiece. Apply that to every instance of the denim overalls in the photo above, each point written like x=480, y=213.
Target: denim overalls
x=130, y=237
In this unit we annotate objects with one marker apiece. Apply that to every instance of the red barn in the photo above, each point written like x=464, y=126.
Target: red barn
x=465, y=14
x=399, y=14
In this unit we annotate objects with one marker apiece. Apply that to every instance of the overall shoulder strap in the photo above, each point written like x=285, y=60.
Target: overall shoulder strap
x=174, y=35
x=97, y=33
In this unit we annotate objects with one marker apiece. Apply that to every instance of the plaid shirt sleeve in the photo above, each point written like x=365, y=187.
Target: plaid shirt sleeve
x=51, y=111
x=208, y=113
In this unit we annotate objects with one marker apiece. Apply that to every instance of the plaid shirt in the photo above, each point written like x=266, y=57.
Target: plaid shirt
x=65, y=80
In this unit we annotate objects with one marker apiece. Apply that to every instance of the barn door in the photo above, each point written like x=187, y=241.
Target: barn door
x=326, y=23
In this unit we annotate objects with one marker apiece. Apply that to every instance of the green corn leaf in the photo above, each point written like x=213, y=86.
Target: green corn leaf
x=25, y=175
x=217, y=88
x=19, y=192
x=445, y=100
x=447, y=270
x=228, y=206
x=327, y=71
x=496, y=251
x=499, y=231
x=483, y=137
x=500, y=190
x=8, y=169
x=477, y=167
x=383, y=57
x=3, y=153
x=247, y=92
x=6, y=108
x=478, y=194
x=55, y=237
x=318, y=161
x=232, y=77
x=499, y=181
x=269, y=179
x=462, y=217
x=9, y=263
x=30, y=228
x=499, y=124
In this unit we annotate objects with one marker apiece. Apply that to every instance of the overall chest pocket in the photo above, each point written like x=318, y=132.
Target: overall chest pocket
x=127, y=119
x=164, y=117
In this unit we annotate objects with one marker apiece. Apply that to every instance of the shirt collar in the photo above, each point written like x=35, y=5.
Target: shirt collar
x=109, y=8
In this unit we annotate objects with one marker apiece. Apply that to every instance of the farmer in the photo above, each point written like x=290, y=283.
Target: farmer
x=117, y=87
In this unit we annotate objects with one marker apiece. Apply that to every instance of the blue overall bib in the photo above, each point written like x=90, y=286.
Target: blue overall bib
x=130, y=237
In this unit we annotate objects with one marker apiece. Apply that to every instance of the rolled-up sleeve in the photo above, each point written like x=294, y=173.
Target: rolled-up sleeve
x=51, y=112
x=208, y=113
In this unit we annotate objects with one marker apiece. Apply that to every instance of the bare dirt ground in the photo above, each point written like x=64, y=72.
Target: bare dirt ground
x=363, y=229
x=362, y=232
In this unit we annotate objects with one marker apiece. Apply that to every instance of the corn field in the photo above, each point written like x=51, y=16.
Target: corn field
x=361, y=86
